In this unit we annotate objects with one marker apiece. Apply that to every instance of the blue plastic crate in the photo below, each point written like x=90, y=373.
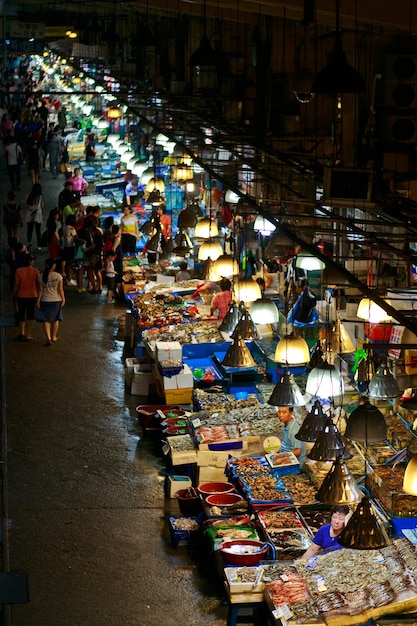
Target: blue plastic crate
x=398, y=523
x=184, y=535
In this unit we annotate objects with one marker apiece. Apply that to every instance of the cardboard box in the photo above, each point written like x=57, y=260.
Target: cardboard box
x=166, y=350
x=183, y=380
x=141, y=380
x=208, y=474
x=176, y=483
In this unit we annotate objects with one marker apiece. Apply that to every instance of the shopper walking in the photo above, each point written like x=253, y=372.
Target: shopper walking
x=14, y=156
x=130, y=230
x=12, y=216
x=50, y=301
x=25, y=291
x=54, y=151
x=52, y=233
x=34, y=214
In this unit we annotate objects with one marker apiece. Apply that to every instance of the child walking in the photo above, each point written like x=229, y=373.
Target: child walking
x=110, y=274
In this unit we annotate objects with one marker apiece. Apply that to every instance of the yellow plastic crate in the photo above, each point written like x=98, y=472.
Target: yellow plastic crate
x=178, y=396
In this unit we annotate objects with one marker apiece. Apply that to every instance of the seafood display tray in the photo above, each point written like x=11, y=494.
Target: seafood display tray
x=234, y=577
x=178, y=535
x=283, y=463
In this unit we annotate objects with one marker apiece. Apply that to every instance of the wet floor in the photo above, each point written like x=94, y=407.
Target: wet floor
x=84, y=496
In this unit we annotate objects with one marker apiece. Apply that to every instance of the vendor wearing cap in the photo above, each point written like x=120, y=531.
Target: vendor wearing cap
x=291, y=428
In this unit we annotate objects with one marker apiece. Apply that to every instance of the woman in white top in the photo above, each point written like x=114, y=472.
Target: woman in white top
x=34, y=215
x=68, y=241
x=50, y=302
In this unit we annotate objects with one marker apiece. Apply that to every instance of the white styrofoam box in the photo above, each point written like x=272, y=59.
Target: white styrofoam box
x=130, y=363
x=404, y=299
x=161, y=278
x=183, y=380
x=166, y=350
x=176, y=483
x=141, y=380
x=210, y=473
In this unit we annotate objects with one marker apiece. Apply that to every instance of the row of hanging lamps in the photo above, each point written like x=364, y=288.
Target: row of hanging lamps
x=264, y=311
x=292, y=350
x=366, y=424
x=238, y=355
x=286, y=392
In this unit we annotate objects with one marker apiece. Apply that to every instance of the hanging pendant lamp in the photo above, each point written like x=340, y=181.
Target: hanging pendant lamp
x=155, y=198
x=308, y=262
x=314, y=423
x=207, y=271
x=364, y=531
x=231, y=319
x=195, y=207
x=244, y=206
x=278, y=245
x=150, y=227
x=247, y=290
x=209, y=250
x=156, y=243
x=155, y=184
x=329, y=444
x=410, y=477
x=206, y=228
x=371, y=312
x=316, y=359
x=341, y=343
x=264, y=226
x=366, y=424
x=383, y=385
x=184, y=246
x=286, y=392
x=238, y=355
x=292, y=350
x=187, y=219
x=245, y=328
x=225, y=266
x=264, y=311
x=325, y=381
x=339, y=486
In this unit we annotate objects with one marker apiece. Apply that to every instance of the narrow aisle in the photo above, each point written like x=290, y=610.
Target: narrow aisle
x=85, y=489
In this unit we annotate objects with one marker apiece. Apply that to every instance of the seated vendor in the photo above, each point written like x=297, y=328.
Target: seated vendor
x=221, y=301
x=326, y=538
x=291, y=428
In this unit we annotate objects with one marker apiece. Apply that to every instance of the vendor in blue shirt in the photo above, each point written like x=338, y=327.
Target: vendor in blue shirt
x=291, y=428
x=326, y=538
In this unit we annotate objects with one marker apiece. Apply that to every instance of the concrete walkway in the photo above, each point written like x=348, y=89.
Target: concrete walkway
x=83, y=490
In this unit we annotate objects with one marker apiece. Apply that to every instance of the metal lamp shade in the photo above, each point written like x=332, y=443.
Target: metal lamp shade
x=230, y=320
x=183, y=247
x=309, y=262
x=245, y=328
x=238, y=355
x=150, y=227
x=313, y=424
x=156, y=243
x=209, y=250
x=187, y=219
x=278, y=245
x=329, y=444
x=264, y=226
x=383, y=385
x=371, y=312
x=206, y=228
x=264, y=311
x=338, y=76
x=317, y=357
x=155, y=184
x=341, y=343
x=325, y=381
x=195, y=207
x=366, y=424
x=244, y=206
x=225, y=267
x=339, y=486
x=410, y=477
x=286, y=392
x=292, y=350
x=247, y=290
x=155, y=198
x=204, y=55
x=364, y=531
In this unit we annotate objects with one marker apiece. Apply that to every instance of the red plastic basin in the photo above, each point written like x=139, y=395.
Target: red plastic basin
x=243, y=552
x=207, y=489
x=223, y=499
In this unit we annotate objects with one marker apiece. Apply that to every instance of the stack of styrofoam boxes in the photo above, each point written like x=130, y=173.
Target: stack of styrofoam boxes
x=177, y=389
x=211, y=464
x=138, y=376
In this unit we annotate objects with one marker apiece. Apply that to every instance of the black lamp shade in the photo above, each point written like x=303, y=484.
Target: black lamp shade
x=364, y=531
x=204, y=55
x=286, y=392
x=187, y=219
x=313, y=424
x=338, y=76
x=366, y=424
